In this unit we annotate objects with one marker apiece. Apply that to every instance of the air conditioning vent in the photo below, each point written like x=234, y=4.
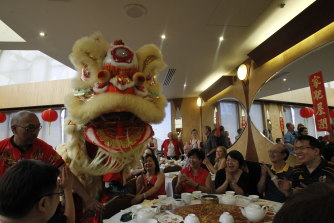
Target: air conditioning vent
x=169, y=76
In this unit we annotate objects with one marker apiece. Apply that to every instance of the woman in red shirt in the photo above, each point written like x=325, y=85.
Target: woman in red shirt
x=194, y=177
x=171, y=147
x=151, y=183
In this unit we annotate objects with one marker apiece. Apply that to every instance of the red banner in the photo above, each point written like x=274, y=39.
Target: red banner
x=319, y=99
x=281, y=123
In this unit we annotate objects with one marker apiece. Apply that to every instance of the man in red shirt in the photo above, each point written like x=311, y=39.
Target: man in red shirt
x=24, y=144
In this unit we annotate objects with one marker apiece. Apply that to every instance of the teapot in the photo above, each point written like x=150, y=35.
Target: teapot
x=254, y=212
x=226, y=217
x=228, y=199
x=144, y=214
x=191, y=218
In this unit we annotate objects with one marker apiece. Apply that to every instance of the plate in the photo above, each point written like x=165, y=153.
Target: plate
x=170, y=219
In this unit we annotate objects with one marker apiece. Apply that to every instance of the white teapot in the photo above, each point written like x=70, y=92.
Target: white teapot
x=254, y=212
x=226, y=217
x=144, y=214
x=191, y=218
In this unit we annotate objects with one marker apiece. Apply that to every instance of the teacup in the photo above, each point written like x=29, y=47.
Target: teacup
x=226, y=217
x=179, y=202
x=230, y=192
x=186, y=197
x=191, y=218
x=162, y=197
x=253, y=198
x=155, y=208
x=197, y=193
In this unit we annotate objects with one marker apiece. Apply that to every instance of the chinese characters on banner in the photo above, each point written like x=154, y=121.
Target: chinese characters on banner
x=319, y=99
x=243, y=122
x=281, y=123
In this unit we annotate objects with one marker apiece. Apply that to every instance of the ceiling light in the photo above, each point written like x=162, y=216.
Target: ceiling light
x=288, y=89
x=221, y=38
x=242, y=72
x=284, y=79
x=42, y=34
x=199, y=101
x=163, y=36
x=185, y=85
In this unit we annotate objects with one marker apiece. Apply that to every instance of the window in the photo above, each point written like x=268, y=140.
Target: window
x=256, y=114
x=229, y=116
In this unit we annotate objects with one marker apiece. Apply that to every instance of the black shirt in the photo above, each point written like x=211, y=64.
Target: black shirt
x=242, y=182
x=302, y=175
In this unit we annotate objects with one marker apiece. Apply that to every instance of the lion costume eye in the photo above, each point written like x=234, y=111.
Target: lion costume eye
x=85, y=74
x=122, y=55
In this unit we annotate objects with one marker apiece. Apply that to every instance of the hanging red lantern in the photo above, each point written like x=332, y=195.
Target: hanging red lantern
x=306, y=112
x=331, y=113
x=49, y=116
x=2, y=117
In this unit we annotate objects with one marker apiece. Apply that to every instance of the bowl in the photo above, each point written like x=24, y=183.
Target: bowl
x=209, y=199
x=253, y=198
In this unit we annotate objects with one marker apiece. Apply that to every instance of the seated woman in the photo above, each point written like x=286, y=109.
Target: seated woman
x=194, y=177
x=151, y=183
x=220, y=162
x=232, y=177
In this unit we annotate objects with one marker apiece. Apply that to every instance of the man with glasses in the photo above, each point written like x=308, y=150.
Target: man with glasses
x=312, y=168
x=24, y=144
x=279, y=169
x=29, y=192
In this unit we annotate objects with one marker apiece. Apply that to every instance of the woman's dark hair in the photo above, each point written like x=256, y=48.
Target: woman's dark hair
x=152, y=152
x=301, y=129
x=313, y=204
x=155, y=160
x=24, y=184
x=234, y=154
x=196, y=152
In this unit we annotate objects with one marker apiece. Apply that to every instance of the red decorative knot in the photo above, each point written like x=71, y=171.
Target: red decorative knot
x=118, y=42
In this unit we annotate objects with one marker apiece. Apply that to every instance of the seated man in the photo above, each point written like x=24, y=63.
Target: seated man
x=312, y=168
x=29, y=192
x=279, y=169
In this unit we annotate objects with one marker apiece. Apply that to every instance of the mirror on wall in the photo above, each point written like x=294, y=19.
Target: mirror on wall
x=233, y=116
x=283, y=96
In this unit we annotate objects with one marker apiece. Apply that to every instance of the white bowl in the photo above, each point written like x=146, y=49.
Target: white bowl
x=162, y=197
x=254, y=198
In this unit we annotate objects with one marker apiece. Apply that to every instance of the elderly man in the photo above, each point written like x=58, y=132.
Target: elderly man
x=29, y=192
x=24, y=144
x=312, y=168
x=186, y=149
x=279, y=169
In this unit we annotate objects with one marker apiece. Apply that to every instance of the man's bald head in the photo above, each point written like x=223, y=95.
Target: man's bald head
x=17, y=117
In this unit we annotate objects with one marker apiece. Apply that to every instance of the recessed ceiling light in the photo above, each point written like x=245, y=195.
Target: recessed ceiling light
x=163, y=36
x=221, y=38
x=288, y=89
x=42, y=34
x=135, y=10
x=185, y=85
x=284, y=79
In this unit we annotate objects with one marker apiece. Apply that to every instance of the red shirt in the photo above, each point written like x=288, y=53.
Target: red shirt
x=150, y=184
x=199, y=178
x=39, y=150
x=176, y=147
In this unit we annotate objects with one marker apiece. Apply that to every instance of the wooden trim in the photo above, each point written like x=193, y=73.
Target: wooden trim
x=221, y=84
x=312, y=19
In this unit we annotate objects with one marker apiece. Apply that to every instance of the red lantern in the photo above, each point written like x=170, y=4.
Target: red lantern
x=49, y=116
x=331, y=113
x=306, y=112
x=2, y=117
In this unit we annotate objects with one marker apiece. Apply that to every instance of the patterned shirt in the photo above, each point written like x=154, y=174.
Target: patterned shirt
x=324, y=172
x=39, y=150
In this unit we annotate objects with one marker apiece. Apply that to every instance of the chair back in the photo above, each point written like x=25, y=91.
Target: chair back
x=174, y=182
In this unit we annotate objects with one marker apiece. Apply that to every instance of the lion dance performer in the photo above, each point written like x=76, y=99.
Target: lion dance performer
x=115, y=97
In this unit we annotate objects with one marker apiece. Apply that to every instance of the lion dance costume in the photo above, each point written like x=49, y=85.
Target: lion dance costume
x=115, y=97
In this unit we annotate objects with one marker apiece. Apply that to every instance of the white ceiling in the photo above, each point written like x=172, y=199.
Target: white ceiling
x=192, y=29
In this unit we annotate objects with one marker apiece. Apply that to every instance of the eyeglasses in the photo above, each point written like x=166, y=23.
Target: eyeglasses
x=30, y=128
x=303, y=147
x=60, y=194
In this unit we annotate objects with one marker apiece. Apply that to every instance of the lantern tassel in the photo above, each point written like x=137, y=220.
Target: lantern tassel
x=49, y=123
